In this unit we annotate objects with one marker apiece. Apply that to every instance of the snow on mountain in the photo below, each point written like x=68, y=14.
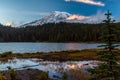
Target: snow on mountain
x=54, y=17
x=57, y=17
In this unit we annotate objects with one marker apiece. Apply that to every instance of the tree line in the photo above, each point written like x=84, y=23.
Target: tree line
x=60, y=32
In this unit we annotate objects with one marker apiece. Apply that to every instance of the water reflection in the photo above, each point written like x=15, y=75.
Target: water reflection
x=46, y=65
x=53, y=68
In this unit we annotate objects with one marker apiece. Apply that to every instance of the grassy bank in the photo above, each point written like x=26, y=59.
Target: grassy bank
x=25, y=74
x=76, y=55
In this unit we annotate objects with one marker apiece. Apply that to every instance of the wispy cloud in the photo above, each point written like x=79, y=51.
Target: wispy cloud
x=77, y=17
x=96, y=18
x=91, y=2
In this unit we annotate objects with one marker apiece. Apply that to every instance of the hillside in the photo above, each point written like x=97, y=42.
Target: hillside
x=61, y=32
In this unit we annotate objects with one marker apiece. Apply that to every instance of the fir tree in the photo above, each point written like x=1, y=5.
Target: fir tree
x=108, y=69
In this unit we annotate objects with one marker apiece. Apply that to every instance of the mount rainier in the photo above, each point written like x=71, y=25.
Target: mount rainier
x=57, y=17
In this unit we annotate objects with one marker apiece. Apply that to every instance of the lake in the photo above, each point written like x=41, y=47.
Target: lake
x=44, y=47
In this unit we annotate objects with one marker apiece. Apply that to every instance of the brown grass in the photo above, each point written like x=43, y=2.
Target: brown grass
x=76, y=55
x=79, y=75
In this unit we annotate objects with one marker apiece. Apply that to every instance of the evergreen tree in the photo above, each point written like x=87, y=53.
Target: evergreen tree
x=108, y=69
x=65, y=77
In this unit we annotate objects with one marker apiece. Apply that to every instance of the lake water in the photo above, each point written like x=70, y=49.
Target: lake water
x=44, y=47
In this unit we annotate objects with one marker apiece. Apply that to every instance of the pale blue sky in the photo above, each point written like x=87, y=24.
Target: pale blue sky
x=24, y=11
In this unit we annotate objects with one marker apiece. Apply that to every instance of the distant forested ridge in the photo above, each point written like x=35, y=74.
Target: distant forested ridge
x=61, y=32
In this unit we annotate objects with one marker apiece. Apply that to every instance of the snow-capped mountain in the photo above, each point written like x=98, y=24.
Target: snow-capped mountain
x=54, y=17
x=57, y=17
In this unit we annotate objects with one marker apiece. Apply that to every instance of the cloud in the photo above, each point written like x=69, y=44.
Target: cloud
x=10, y=24
x=92, y=19
x=77, y=17
x=97, y=18
x=91, y=2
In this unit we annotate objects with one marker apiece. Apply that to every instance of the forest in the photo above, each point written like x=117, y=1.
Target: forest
x=60, y=32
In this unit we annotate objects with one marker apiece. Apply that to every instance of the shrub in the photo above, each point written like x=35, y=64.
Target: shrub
x=79, y=74
x=6, y=54
x=43, y=76
x=2, y=77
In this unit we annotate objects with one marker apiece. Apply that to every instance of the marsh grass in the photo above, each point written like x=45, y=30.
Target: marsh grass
x=77, y=75
x=71, y=55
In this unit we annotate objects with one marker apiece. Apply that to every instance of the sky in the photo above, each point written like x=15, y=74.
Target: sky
x=19, y=12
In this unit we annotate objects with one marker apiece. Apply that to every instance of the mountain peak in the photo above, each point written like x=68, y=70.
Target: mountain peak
x=53, y=17
x=57, y=17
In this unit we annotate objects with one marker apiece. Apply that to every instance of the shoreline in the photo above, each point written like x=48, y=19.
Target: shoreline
x=61, y=56
x=70, y=55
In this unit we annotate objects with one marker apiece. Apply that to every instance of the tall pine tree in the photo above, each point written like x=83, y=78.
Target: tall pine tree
x=108, y=69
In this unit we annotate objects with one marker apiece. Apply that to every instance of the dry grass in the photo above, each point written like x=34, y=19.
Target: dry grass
x=78, y=75
x=76, y=55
